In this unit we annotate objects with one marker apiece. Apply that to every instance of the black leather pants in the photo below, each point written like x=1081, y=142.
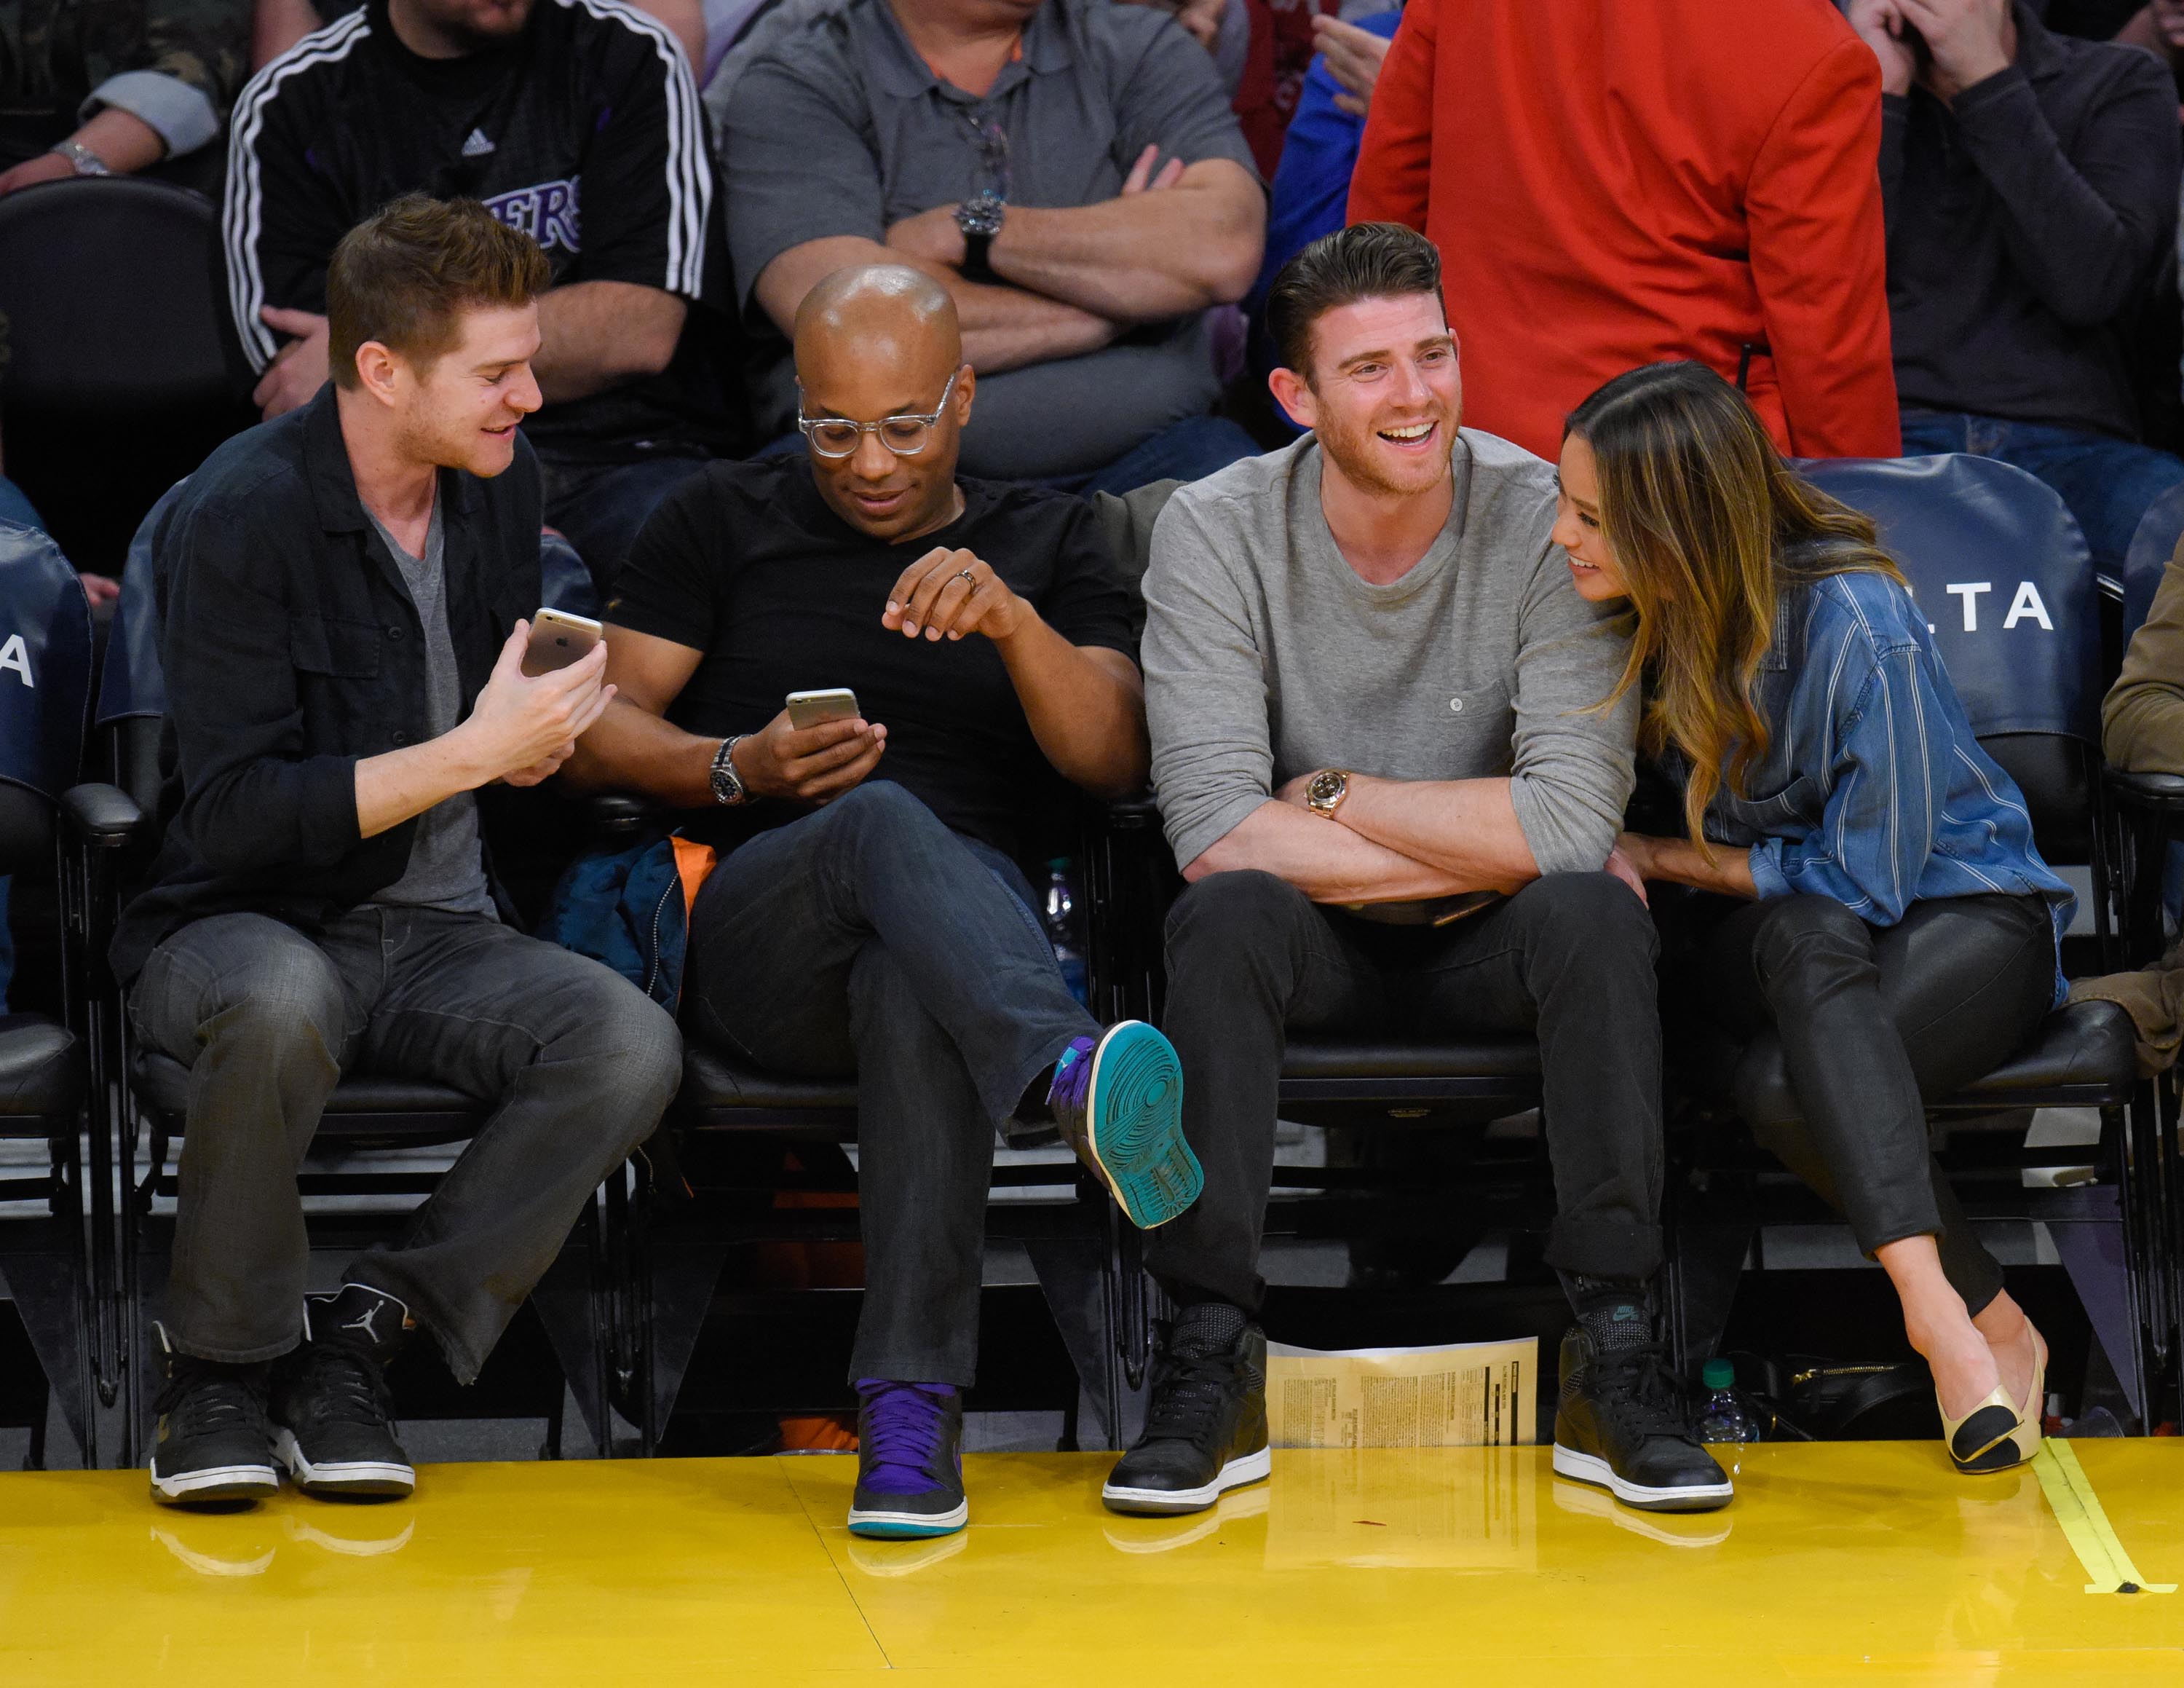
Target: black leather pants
x=1873, y=1021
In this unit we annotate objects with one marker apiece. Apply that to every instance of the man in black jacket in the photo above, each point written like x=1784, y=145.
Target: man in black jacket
x=341, y=595
x=2031, y=185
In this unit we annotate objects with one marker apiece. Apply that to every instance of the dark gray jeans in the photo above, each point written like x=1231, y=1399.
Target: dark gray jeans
x=577, y=1064
x=1569, y=959
x=869, y=939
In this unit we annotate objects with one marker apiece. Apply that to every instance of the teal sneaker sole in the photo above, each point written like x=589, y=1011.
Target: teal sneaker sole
x=1133, y=1116
x=883, y=1526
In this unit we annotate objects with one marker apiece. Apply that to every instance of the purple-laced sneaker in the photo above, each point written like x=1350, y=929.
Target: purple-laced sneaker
x=1117, y=1101
x=910, y=1460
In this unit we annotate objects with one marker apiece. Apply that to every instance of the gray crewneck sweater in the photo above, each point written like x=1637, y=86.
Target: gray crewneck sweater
x=1265, y=656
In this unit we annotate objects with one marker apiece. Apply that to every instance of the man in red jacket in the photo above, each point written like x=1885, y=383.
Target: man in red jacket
x=1613, y=184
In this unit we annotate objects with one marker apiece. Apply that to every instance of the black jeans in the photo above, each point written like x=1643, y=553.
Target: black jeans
x=1569, y=959
x=1873, y=1022
x=869, y=939
x=577, y=1062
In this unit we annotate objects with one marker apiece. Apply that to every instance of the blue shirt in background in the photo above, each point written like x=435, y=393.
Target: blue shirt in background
x=1311, y=193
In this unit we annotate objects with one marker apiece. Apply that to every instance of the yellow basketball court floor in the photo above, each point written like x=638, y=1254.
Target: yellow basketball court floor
x=1867, y=1562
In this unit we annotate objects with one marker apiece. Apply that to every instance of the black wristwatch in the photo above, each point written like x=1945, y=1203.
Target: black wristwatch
x=980, y=219
x=727, y=784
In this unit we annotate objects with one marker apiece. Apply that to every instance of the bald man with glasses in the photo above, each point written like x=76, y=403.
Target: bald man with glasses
x=870, y=914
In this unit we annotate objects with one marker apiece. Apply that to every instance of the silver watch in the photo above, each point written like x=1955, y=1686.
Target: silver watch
x=85, y=161
x=727, y=784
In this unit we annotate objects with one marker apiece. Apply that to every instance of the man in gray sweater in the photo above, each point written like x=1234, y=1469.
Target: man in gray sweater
x=1383, y=759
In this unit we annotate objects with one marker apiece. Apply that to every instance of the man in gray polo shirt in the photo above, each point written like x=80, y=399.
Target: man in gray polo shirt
x=1069, y=170
x=1384, y=758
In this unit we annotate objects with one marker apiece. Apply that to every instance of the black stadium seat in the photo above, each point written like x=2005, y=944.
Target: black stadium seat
x=2151, y=548
x=120, y=378
x=57, y=1273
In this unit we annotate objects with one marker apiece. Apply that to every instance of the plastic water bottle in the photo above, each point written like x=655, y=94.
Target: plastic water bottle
x=1064, y=931
x=1723, y=1417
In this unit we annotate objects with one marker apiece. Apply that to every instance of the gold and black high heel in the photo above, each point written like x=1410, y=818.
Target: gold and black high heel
x=1986, y=1439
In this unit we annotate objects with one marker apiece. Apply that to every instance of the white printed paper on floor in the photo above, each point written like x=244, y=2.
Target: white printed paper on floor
x=1470, y=1394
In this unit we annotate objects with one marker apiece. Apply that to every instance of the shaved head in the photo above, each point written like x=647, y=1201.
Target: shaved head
x=888, y=311
x=876, y=341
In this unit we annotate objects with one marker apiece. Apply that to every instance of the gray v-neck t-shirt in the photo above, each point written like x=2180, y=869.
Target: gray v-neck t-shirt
x=1266, y=656
x=446, y=864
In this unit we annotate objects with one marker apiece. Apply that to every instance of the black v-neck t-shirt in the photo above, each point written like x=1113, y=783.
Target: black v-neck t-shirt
x=748, y=563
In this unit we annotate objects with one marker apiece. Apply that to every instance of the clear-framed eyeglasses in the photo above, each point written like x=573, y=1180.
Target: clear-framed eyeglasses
x=903, y=435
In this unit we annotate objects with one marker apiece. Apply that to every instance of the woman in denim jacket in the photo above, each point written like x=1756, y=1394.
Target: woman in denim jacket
x=1897, y=929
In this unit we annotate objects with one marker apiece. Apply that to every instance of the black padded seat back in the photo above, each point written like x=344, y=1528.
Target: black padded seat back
x=1998, y=564
x=2147, y=560
x=2055, y=773
x=1996, y=561
x=132, y=684
x=123, y=371
x=27, y=829
x=1127, y=519
x=45, y=664
x=42, y=1066
x=110, y=287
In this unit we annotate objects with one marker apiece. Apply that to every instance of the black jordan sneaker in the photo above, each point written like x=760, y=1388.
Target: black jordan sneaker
x=909, y=1461
x=1206, y=1431
x=332, y=1414
x=212, y=1445
x=1622, y=1425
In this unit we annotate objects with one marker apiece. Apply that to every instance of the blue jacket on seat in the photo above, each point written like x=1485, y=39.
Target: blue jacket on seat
x=1875, y=790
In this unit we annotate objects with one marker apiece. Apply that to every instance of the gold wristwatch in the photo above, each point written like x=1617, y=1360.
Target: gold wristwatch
x=1326, y=790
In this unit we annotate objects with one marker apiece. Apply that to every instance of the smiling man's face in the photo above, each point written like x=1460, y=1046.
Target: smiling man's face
x=462, y=408
x=1382, y=392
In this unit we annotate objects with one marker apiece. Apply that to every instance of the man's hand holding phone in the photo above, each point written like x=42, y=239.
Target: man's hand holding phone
x=524, y=727
x=812, y=764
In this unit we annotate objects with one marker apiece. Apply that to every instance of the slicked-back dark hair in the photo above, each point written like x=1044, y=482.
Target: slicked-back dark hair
x=1366, y=260
x=401, y=275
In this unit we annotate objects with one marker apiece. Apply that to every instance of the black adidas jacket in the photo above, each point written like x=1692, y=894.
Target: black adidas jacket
x=584, y=132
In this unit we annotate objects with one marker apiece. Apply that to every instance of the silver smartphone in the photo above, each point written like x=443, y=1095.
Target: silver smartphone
x=557, y=640
x=816, y=708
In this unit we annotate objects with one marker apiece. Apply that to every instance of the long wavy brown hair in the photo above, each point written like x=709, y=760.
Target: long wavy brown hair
x=1709, y=526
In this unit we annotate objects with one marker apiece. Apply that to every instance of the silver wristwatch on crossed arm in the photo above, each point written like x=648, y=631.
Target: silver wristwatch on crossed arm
x=81, y=158
x=727, y=784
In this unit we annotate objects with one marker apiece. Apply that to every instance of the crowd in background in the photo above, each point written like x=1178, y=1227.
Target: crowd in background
x=1911, y=225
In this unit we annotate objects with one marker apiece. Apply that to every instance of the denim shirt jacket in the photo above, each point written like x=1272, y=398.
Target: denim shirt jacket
x=1873, y=790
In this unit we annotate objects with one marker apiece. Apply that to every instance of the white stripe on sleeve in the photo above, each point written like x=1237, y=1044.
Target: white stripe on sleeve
x=242, y=219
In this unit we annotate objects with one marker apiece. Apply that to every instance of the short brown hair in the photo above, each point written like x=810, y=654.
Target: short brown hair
x=400, y=277
x=1366, y=260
